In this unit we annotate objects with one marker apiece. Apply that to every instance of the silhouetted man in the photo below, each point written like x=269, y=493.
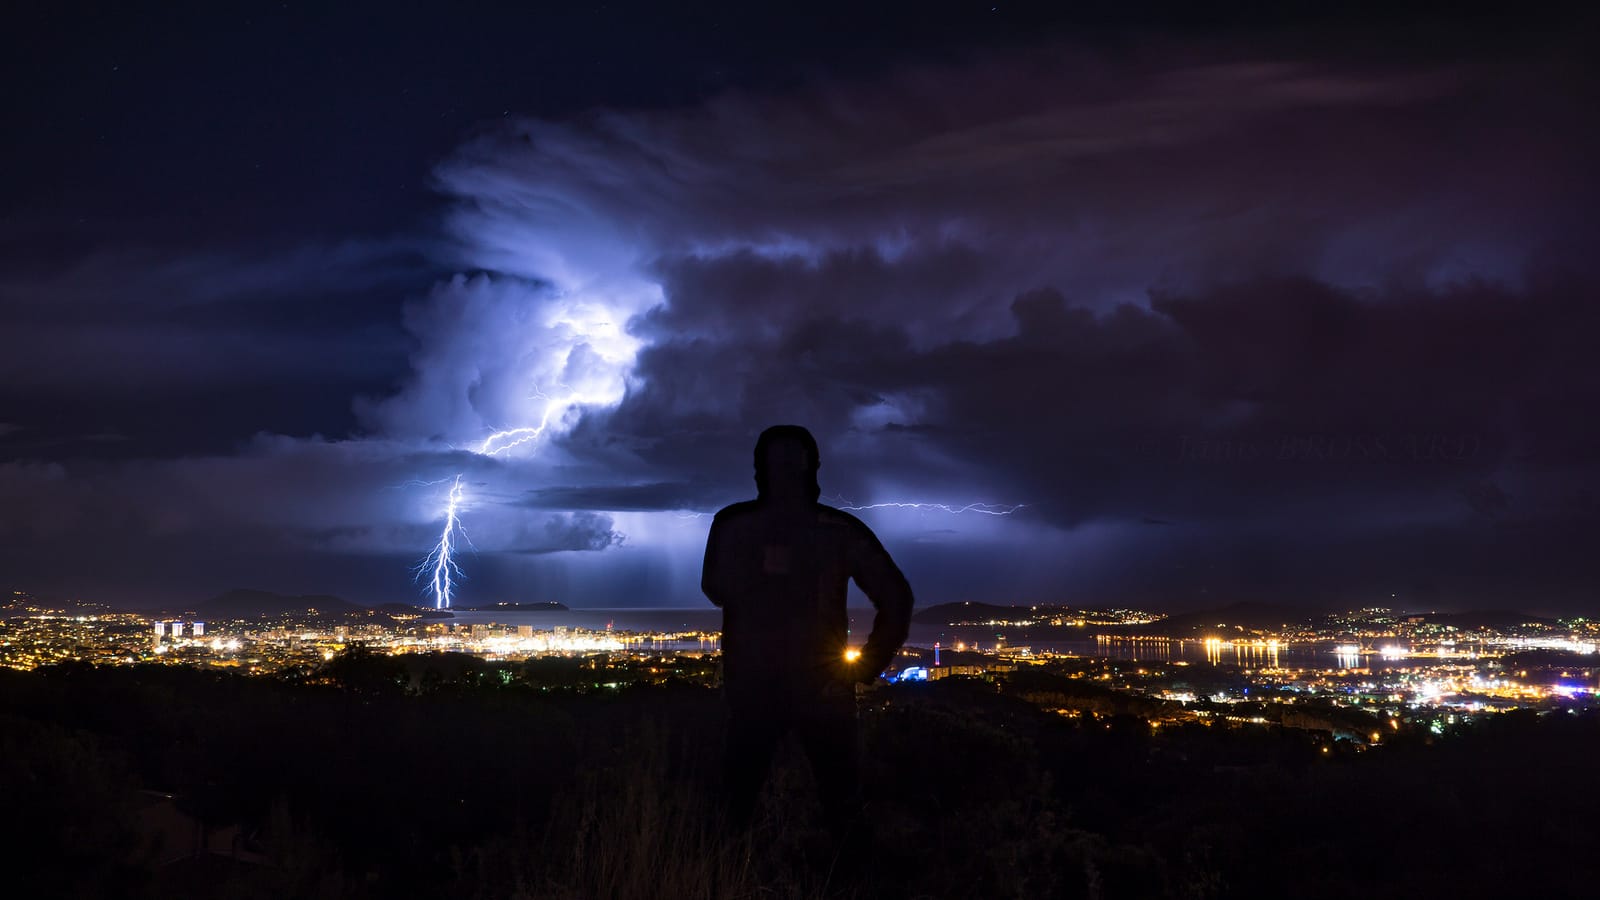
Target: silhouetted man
x=780, y=566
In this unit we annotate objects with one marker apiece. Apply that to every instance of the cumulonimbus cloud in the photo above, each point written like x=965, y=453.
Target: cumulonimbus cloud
x=1304, y=311
x=1068, y=292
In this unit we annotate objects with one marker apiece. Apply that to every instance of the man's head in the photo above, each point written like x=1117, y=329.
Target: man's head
x=786, y=463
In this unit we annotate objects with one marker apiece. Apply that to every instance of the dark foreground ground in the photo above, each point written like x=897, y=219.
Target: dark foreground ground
x=488, y=783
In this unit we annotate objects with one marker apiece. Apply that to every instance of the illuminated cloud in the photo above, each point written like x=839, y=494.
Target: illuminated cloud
x=1070, y=294
x=1307, y=315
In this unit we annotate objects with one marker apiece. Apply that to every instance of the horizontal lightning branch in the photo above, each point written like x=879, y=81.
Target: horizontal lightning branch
x=987, y=509
x=502, y=441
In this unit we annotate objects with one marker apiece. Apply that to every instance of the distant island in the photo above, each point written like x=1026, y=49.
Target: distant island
x=971, y=613
x=1254, y=615
x=1248, y=615
x=546, y=606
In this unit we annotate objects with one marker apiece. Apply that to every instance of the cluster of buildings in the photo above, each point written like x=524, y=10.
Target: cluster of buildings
x=1380, y=666
x=1357, y=675
x=33, y=635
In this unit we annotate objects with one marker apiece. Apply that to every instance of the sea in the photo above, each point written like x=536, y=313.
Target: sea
x=1073, y=642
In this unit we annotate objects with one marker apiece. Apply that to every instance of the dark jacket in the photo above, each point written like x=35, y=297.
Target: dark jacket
x=781, y=574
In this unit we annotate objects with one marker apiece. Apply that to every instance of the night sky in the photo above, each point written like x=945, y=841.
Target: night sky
x=1220, y=307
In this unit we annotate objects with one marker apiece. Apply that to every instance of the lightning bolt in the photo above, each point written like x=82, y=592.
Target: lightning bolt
x=440, y=562
x=417, y=482
x=440, y=565
x=987, y=509
x=502, y=441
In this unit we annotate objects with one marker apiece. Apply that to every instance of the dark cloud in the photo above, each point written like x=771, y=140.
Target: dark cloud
x=1251, y=399
x=570, y=531
x=1274, y=302
x=658, y=496
x=180, y=351
x=1324, y=320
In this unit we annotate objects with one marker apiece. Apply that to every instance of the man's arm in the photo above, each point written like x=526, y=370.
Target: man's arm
x=713, y=574
x=884, y=584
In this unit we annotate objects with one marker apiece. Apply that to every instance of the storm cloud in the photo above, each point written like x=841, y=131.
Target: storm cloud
x=1226, y=325
x=1295, y=304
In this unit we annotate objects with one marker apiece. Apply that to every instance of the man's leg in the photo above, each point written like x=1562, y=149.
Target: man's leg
x=827, y=731
x=753, y=736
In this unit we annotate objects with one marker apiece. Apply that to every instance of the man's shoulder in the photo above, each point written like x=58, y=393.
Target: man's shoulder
x=735, y=511
x=827, y=515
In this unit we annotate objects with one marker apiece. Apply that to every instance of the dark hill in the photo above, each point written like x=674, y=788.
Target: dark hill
x=1247, y=614
x=973, y=613
x=1499, y=619
x=243, y=603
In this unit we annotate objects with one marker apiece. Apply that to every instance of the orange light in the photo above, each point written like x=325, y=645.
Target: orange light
x=851, y=654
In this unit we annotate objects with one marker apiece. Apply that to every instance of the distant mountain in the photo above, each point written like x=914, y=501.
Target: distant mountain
x=546, y=606
x=1247, y=614
x=1489, y=618
x=973, y=613
x=242, y=603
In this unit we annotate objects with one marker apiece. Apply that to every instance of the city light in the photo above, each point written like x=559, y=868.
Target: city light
x=1261, y=673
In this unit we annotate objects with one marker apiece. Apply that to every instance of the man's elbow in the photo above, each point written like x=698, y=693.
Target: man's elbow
x=896, y=606
x=710, y=590
x=900, y=597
